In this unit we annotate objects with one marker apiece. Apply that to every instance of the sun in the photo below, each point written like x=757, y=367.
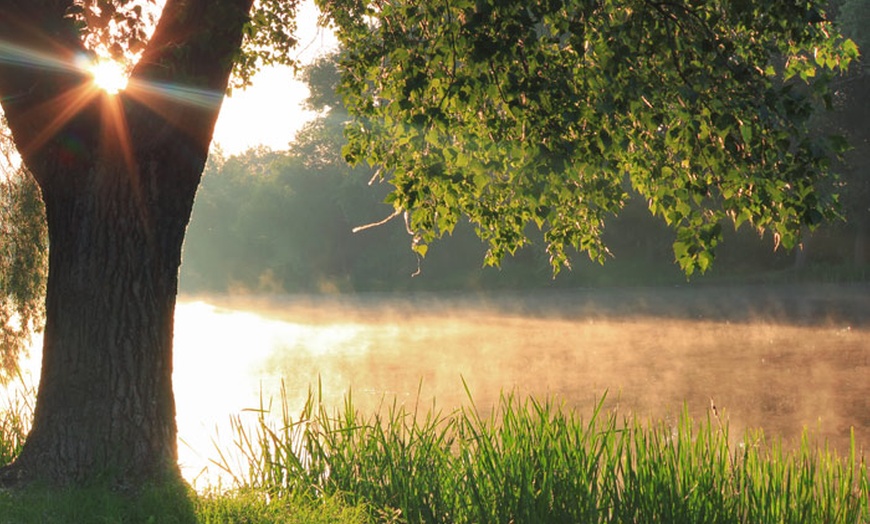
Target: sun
x=109, y=76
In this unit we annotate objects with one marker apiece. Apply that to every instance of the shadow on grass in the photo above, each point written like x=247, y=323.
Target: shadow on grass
x=169, y=503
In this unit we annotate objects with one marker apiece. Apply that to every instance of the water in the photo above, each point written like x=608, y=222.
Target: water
x=781, y=359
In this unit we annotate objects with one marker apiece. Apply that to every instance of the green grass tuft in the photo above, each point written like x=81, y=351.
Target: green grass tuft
x=15, y=414
x=535, y=461
x=169, y=503
x=527, y=460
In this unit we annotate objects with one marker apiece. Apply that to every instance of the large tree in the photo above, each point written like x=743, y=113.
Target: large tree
x=504, y=111
x=118, y=174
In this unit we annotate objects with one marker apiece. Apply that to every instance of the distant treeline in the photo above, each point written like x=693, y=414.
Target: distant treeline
x=267, y=221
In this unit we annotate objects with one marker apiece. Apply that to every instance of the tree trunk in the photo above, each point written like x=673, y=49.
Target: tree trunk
x=118, y=177
x=105, y=403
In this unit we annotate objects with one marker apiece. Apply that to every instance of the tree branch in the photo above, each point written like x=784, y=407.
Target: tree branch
x=38, y=50
x=185, y=68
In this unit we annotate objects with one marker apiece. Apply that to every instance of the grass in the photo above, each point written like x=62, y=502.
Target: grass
x=15, y=421
x=535, y=461
x=255, y=507
x=154, y=504
x=169, y=504
x=159, y=504
x=526, y=460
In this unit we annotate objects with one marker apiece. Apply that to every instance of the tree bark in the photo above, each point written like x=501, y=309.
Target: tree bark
x=118, y=176
x=105, y=404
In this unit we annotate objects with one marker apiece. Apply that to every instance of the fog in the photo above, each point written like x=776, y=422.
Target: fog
x=777, y=358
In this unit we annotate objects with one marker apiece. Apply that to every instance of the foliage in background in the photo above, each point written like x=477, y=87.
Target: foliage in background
x=854, y=20
x=267, y=222
x=269, y=39
x=23, y=258
x=513, y=114
x=852, y=119
x=283, y=221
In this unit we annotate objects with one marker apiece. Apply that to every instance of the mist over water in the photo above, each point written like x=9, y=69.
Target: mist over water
x=778, y=358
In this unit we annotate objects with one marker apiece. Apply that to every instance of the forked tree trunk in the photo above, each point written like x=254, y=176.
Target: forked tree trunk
x=118, y=176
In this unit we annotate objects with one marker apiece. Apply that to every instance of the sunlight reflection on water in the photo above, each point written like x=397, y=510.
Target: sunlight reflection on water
x=785, y=372
x=222, y=366
x=780, y=373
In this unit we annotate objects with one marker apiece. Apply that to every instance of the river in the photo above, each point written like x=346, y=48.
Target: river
x=777, y=358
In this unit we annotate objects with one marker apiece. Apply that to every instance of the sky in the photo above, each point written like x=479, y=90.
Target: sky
x=269, y=112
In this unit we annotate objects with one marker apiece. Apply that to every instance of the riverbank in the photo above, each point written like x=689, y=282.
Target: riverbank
x=532, y=460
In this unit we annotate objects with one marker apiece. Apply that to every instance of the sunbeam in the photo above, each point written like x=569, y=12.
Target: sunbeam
x=67, y=105
x=108, y=75
x=65, y=108
x=182, y=106
x=16, y=55
x=107, y=78
x=190, y=96
x=107, y=87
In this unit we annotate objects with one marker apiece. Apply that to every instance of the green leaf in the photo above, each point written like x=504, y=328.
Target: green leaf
x=549, y=105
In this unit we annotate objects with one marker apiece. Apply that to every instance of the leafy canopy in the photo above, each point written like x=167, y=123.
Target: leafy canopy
x=120, y=29
x=552, y=113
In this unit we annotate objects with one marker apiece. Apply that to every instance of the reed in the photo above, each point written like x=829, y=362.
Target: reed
x=530, y=460
x=525, y=460
x=16, y=410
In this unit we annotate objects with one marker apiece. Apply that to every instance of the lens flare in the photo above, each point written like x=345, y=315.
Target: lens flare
x=109, y=76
